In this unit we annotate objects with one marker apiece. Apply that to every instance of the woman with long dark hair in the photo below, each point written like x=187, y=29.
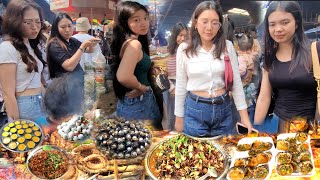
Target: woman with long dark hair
x=21, y=61
x=287, y=67
x=63, y=51
x=130, y=48
x=179, y=34
x=202, y=105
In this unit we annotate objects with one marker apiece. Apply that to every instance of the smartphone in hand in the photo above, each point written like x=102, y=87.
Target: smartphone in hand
x=242, y=129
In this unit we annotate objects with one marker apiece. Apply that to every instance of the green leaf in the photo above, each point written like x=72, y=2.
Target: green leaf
x=47, y=148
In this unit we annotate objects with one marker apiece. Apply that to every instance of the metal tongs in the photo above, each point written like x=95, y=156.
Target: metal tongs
x=211, y=172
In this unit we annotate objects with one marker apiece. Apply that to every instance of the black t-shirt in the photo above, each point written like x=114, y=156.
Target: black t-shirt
x=295, y=93
x=58, y=55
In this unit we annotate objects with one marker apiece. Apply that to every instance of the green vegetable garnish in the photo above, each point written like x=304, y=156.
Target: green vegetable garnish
x=47, y=148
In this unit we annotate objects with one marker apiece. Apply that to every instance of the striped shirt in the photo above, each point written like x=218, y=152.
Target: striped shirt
x=171, y=65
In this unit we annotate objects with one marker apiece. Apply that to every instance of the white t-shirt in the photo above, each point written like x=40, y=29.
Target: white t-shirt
x=24, y=80
x=204, y=72
x=87, y=57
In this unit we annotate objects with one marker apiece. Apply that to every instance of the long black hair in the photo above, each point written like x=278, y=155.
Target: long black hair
x=121, y=30
x=176, y=30
x=219, y=40
x=12, y=31
x=55, y=37
x=301, y=51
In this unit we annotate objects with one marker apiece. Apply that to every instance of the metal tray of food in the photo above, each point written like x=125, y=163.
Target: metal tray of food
x=218, y=157
x=21, y=135
x=294, y=155
x=43, y=159
x=254, y=159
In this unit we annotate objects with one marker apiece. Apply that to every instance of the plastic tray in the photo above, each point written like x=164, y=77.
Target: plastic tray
x=286, y=135
x=244, y=154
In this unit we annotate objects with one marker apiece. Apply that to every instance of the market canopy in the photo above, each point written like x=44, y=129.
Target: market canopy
x=93, y=9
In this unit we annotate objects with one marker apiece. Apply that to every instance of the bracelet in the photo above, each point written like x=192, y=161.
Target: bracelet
x=82, y=50
x=139, y=85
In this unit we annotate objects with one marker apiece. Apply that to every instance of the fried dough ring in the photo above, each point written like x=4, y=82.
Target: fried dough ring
x=95, y=166
x=85, y=169
x=83, y=147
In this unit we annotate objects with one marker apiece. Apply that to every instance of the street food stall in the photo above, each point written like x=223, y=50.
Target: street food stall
x=112, y=148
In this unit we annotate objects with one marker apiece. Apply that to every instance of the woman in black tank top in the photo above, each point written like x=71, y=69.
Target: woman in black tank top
x=287, y=72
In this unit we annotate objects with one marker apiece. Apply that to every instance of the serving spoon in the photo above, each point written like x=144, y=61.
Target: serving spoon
x=211, y=172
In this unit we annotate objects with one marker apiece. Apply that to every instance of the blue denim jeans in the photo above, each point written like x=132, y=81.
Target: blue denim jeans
x=143, y=107
x=207, y=120
x=30, y=108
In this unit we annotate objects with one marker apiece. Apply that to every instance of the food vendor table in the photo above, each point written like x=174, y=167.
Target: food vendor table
x=17, y=170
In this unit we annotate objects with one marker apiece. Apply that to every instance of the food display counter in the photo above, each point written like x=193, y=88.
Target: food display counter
x=119, y=149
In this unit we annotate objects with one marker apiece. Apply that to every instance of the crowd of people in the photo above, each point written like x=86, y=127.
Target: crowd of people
x=218, y=75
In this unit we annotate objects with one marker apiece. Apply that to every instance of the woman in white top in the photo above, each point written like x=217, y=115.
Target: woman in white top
x=202, y=105
x=21, y=62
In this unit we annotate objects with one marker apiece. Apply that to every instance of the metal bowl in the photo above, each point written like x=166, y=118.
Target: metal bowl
x=16, y=149
x=149, y=157
x=40, y=149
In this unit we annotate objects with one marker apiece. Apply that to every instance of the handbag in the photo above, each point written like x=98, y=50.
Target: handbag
x=228, y=73
x=316, y=73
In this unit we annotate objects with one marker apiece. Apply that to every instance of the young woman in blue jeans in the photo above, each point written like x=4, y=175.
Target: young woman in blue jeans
x=203, y=107
x=131, y=50
x=179, y=34
x=21, y=62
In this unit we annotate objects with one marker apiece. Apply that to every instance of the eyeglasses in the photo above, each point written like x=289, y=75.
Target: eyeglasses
x=38, y=24
x=214, y=24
